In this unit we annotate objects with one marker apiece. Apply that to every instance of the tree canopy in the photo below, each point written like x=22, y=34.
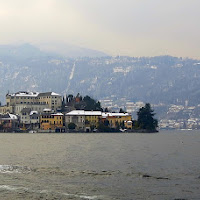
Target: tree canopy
x=81, y=103
x=91, y=104
x=146, y=118
x=71, y=126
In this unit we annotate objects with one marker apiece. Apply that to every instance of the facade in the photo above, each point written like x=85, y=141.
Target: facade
x=34, y=118
x=29, y=119
x=117, y=119
x=31, y=99
x=85, y=120
x=50, y=121
x=33, y=107
x=77, y=117
x=128, y=124
x=53, y=100
x=8, y=122
x=25, y=116
x=92, y=119
x=5, y=109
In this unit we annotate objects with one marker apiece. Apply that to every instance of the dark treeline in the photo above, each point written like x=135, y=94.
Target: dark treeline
x=81, y=103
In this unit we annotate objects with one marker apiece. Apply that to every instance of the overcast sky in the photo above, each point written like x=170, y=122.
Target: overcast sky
x=117, y=27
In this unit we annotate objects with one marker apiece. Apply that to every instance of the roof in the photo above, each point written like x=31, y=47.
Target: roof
x=51, y=114
x=58, y=114
x=97, y=113
x=13, y=116
x=85, y=113
x=48, y=94
x=33, y=112
x=47, y=110
x=108, y=114
x=32, y=94
x=34, y=115
x=8, y=116
x=23, y=93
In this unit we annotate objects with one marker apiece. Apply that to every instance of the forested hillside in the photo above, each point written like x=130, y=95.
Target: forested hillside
x=157, y=79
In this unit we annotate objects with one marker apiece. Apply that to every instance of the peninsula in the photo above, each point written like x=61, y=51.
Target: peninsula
x=51, y=112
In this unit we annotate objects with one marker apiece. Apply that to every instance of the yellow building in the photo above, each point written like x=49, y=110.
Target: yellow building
x=116, y=119
x=49, y=121
x=92, y=119
x=84, y=120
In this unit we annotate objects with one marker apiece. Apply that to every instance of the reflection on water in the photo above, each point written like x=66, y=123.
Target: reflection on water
x=165, y=165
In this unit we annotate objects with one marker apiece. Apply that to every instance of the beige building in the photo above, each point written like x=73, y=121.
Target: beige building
x=83, y=120
x=33, y=107
x=5, y=109
x=17, y=101
x=77, y=117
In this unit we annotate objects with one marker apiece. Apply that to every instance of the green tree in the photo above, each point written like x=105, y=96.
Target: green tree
x=146, y=118
x=71, y=126
x=91, y=104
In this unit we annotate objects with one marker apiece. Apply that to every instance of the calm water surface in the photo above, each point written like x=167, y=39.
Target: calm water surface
x=164, y=165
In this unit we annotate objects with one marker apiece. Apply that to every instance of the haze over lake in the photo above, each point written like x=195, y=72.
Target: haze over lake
x=164, y=165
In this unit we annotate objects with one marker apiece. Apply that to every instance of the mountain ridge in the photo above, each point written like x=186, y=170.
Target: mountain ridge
x=160, y=79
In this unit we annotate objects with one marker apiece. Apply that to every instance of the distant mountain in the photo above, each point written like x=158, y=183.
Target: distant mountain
x=20, y=52
x=28, y=51
x=71, y=51
x=162, y=79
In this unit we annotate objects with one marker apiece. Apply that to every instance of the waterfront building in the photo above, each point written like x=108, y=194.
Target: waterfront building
x=83, y=120
x=116, y=119
x=8, y=122
x=29, y=119
x=92, y=119
x=34, y=100
x=77, y=117
x=87, y=120
x=51, y=121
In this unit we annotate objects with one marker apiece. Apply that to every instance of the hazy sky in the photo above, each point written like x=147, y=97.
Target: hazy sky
x=117, y=27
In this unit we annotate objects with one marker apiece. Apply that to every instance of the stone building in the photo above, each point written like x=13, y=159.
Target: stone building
x=33, y=100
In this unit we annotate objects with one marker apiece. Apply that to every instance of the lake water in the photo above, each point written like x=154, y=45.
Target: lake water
x=159, y=166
